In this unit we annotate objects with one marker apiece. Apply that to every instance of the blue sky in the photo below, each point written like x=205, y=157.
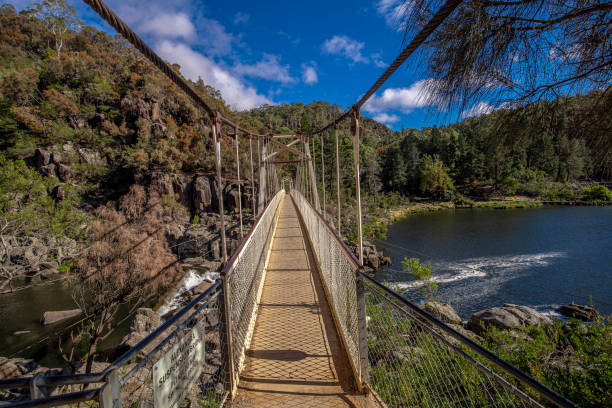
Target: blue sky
x=273, y=52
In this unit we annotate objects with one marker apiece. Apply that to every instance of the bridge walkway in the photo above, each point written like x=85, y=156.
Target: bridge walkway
x=295, y=357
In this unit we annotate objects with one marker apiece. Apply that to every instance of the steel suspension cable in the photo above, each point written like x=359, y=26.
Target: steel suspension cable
x=113, y=19
x=337, y=179
x=444, y=11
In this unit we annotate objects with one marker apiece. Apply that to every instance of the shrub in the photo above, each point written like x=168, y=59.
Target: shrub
x=422, y=272
x=595, y=192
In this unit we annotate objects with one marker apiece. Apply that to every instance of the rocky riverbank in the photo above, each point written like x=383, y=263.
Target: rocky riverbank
x=193, y=235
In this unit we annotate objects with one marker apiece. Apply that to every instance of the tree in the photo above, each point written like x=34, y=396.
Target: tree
x=519, y=51
x=127, y=262
x=59, y=18
x=434, y=177
x=422, y=272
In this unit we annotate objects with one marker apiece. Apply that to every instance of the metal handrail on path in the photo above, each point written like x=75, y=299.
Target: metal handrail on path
x=196, y=309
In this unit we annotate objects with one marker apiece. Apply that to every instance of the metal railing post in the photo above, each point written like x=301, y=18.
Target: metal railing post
x=110, y=396
x=35, y=391
x=252, y=177
x=355, y=131
x=323, y=173
x=238, y=174
x=225, y=332
x=217, y=141
x=364, y=366
x=311, y=171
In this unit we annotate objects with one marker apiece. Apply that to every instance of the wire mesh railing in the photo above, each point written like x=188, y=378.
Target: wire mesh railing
x=243, y=283
x=339, y=270
x=195, y=355
x=417, y=361
x=195, y=332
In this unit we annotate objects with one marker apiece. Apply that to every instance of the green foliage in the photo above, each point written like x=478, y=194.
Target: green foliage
x=422, y=272
x=65, y=266
x=375, y=229
x=595, y=192
x=434, y=177
x=25, y=203
x=195, y=220
x=210, y=401
x=572, y=358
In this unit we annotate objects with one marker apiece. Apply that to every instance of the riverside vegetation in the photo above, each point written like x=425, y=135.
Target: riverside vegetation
x=99, y=152
x=572, y=357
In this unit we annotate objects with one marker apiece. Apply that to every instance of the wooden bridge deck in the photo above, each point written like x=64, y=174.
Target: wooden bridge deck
x=295, y=358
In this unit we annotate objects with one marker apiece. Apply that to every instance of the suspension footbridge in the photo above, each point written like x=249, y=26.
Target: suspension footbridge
x=294, y=320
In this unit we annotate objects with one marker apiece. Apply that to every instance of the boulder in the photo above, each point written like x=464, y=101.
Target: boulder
x=202, y=195
x=56, y=157
x=59, y=316
x=232, y=200
x=580, y=312
x=50, y=170
x=161, y=183
x=21, y=332
x=443, y=312
x=8, y=369
x=64, y=172
x=214, y=206
x=145, y=320
x=91, y=157
x=507, y=317
x=194, y=243
x=57, y=193
x=372, y=260
x=183, y=186
x=201, y=288
x=42, y=157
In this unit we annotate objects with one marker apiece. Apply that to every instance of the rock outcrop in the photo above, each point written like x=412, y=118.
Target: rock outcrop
x=580, y=312
x=443, y=312
x=59, y=316
x=507, y=317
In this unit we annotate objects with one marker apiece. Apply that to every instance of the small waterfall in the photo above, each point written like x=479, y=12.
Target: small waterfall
x=191, y=279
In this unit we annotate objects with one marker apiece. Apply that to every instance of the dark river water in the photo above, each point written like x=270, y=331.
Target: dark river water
x=482, y=258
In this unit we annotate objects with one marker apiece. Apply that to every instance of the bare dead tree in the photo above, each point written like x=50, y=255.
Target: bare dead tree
x=127, y=264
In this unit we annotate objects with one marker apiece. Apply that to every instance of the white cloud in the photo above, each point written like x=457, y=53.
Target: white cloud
x=386, y=118
x=402, y=99
x=377, y=58
x=394, y=11
x=346, y=47
x=195, y=65
x=241, y=18
x=214, y=38
x=477, y=110
x=169, y=26
x=309, y=74
x=268, y=68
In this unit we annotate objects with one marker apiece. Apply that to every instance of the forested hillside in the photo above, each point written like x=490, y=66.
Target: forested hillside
x=526, y=149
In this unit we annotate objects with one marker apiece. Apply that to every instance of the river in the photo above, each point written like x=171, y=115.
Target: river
x=540, y=257
x=22, y=310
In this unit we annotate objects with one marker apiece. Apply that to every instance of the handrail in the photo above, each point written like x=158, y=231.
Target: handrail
x=22, y=382
x=334, y=233
x=526, y=379
x=247, y=238
x=58, y=400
